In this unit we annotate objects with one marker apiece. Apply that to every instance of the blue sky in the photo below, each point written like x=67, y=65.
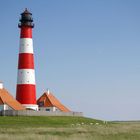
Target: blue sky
x=87, y=52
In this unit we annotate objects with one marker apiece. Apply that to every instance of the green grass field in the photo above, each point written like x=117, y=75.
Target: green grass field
x=66, y=128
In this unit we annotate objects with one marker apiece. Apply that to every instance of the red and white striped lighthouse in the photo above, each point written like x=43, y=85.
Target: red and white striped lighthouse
x=26, y=86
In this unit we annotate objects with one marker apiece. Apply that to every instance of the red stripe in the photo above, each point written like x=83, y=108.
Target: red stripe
x=26, y=94
x=26, y=32
x=26, y=61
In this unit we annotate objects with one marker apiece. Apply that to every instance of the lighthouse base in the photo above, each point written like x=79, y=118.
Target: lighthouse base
x=31, y=106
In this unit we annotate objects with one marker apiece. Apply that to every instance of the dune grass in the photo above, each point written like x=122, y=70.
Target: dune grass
x=66, y=128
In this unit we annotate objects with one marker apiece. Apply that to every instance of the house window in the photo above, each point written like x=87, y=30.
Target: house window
x=47, y=109
x=1, y=107
x=41, y=104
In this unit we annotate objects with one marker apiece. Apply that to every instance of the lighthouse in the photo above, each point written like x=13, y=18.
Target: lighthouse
x=26, y=86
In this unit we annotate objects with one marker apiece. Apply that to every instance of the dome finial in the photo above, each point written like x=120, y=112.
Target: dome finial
x=26, y=11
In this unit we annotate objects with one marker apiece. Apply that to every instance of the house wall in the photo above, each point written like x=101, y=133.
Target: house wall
x=49, y=109
x=5, y=107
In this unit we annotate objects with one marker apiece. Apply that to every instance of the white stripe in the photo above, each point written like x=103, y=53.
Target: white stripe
x=26, y=45
x=26, y=76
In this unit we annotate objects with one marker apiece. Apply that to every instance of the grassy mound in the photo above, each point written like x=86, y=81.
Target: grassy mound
x=42, y=121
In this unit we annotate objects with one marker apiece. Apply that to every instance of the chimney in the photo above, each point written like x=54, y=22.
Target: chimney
x=1, y=85
x=48, y=91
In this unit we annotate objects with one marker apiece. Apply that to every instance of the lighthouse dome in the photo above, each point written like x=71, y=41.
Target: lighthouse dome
x=26, y=19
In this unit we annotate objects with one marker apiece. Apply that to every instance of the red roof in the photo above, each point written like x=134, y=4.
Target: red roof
x=48, y=100
x=6, y=98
